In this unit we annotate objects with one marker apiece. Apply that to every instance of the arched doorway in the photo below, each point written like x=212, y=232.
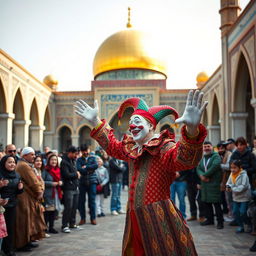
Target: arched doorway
x=122, y=128
x=3, y=118
x=65, y=139
x=34, y=129
x=19, y=134
x=243, y=117
x=214, y=129
x=47, y=139
x=84, y=136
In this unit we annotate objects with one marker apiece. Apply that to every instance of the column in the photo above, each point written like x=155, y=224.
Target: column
x=253, y=103
x=238, y=124
x=48, y=140
x=6, y=128
x=36, y=136
x=214, y=134
x=21, y=133
x=75, y=140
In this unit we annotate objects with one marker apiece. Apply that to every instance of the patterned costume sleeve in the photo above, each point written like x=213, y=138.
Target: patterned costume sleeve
x=104, y=135
x=186, y=153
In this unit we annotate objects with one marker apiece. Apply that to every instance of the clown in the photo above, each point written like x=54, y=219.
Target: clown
x=153, y=224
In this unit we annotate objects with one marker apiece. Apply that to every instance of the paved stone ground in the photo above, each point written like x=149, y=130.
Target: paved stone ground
x=105, y=239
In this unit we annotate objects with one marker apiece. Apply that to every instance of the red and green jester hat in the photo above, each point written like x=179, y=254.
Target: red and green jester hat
x=153, y=114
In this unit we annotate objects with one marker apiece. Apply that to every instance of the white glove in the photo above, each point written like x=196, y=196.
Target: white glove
x=193, y=112
x=87, y=112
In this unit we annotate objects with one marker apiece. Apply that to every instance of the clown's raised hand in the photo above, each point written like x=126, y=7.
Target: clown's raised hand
x=87, y=112
x=193, y=111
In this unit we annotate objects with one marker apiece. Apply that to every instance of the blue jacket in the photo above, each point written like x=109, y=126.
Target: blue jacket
x=88, y=175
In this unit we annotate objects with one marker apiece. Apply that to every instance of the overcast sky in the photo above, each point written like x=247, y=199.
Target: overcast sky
x=61, y=37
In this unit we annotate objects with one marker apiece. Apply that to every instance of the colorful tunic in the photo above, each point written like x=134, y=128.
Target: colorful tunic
x=151, y=171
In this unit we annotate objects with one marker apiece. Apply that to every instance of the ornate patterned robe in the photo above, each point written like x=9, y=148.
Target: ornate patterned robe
x=151, y=171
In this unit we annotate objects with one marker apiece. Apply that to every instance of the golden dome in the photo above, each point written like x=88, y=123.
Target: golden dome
x=51, y=81
x=129, y=49
x=202, y=77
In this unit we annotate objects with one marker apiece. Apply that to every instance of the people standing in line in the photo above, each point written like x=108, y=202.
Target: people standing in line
x=103, y=179
x=29, y=208
x=248, y=159
x=231, y=145
x=179, y=187
x=70, y=177
x=194, y=197
x=238, y=184
x=86, y=165
x=116, y=168
x=209, y=171
x=226, y=198
x=53, y=192
x=12, y=187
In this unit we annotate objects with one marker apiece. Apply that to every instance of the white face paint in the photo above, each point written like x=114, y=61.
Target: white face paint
x=139, y=128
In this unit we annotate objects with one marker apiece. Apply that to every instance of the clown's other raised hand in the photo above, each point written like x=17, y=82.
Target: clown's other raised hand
x=87, y=112
x=193, y=112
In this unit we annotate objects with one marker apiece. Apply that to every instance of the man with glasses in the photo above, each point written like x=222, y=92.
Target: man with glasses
x=10, y=149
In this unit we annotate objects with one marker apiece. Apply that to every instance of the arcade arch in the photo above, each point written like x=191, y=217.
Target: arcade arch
x=3, y=117
x=243, y=113
x=65, y=139
x=214, y=129
x=84, y=136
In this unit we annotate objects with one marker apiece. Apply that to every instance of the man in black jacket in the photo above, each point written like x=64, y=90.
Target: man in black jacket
x=247, y=158
x=116, y=168
x=87, y=165
x=70, y=177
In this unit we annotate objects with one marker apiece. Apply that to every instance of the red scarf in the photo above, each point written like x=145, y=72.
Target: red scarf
x=55, y=173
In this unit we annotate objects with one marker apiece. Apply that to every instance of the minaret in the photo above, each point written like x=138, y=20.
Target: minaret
x=129, y=25
x=229, y=11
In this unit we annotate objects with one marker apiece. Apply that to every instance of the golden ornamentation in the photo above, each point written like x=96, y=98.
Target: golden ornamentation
x=183, y=238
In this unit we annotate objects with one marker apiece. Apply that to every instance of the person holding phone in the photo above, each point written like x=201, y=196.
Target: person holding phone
x=12, y=186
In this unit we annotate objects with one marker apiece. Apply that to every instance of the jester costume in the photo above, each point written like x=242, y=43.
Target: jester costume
x=152, y=220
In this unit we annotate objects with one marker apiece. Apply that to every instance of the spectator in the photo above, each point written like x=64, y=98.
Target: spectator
x=87, y=165
x=238, y=183
x=53, y=192
x=105, y=157
x=231, y=145
x=226, y=198
x=70, y=177
x=209, y=171
x=248, y=159
x=194, y=195
x=179, y=186
x=116, y=168
x=29, y=209
x=254, y=146
x=12, y=187
x=103, y=178
x=10, y=149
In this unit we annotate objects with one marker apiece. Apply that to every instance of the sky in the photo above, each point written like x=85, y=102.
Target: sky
x=61, y=37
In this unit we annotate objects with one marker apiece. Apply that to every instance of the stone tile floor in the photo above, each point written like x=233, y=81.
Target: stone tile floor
x=105, y=239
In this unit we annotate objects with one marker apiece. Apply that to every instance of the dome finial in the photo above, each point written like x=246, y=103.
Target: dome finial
x=129, y=25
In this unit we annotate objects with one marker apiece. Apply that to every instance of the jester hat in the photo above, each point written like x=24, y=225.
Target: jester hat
x=153, y=114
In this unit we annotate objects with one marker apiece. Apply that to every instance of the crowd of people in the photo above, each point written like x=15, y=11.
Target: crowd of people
x=38, y=188
x=222, y=185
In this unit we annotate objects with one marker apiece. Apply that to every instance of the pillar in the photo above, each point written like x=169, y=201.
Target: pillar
x=214, y=134
x=6, y=120
x=21, y=136
x=36, y=136
x=238, y=124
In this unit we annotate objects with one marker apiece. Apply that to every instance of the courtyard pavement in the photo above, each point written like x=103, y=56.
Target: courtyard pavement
x=105, y=239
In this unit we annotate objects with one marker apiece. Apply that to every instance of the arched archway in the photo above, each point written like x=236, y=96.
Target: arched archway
x=3, y=117
x=34, y=128
x=120, y=130
x=19, y=134
x=214, y=129
x=65, y=139
x=47, y=137
x=243, y=117
x=84, y=136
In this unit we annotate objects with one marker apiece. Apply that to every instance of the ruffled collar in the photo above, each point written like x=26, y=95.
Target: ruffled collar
x=133, y=150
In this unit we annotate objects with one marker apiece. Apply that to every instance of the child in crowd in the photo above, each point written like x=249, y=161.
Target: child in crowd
x=238, y=183
x=103, y=178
